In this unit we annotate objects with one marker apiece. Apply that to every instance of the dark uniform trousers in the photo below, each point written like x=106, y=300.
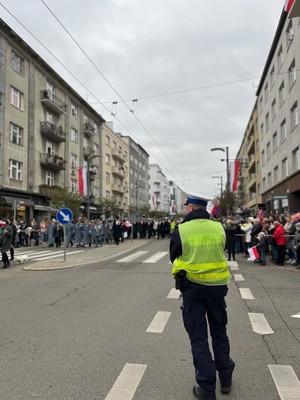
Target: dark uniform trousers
x=202, y=303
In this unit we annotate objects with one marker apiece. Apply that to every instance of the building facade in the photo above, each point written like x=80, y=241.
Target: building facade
x=176, y=199
x=47, y=132
x=158, y=189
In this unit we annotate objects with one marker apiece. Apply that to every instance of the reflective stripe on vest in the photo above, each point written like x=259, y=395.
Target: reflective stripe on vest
x=203, y=258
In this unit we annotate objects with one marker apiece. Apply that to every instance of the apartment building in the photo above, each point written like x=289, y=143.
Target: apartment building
x=158, y=189
x=278, y=96
x=138, y=178
x=176, y=199
x=114, y=168
x=249, y=190
x=47, y=132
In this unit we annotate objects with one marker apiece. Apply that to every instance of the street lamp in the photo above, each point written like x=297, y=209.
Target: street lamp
x=221, y=178
x=226, y=150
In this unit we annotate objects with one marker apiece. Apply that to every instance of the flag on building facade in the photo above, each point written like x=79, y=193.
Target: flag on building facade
x=234, y=175
x=82, y=181
x=288, y=5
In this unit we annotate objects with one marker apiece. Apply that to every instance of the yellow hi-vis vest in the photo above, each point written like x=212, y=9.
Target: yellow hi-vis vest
x=203, y=258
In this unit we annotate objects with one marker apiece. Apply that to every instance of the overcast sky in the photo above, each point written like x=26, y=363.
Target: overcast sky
x=151, y=49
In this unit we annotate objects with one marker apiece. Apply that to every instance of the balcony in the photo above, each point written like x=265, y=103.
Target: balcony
x=53, y=102
x=87, y=151
x=119, y=172
x=53, y=162
x=118, y=188
x=89, y=129
x=53, y=132
x=118, y=155
x=47, y=190
x=93, y=172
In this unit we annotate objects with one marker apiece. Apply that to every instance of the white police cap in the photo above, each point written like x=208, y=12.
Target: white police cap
x=194, y=198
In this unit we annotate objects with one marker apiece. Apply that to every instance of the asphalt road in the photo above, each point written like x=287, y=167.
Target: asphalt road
x=69, y=334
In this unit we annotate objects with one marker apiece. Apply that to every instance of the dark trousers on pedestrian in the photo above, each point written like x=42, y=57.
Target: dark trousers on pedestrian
x=202, y=304
x=280, y=254
x=231, y=253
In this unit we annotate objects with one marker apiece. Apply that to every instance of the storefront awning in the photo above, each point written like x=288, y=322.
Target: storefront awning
x=38, y=207
x=16, y=200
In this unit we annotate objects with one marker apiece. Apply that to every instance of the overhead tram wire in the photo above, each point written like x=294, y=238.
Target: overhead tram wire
x=111, y=86
x=85, y=87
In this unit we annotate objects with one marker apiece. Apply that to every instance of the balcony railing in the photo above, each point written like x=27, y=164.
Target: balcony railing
x=118, y=154
x=118, y=188
x=53, y=132
x=47, y=190
x=89, y=129
x=52, y=161
x=118, y=171
x=53, y=102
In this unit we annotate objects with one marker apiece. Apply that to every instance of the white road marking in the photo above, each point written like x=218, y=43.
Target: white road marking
x=39, y=254
x=286, y=381
x=234, y=268
x=260, y=324
x=153, y=259
x=159, y=322
x=174, y=294
x=232, y=264
x=296, y=315
x=246, y=294
x=58, y=255
x=21, y=253
x=238, y=277
x=127, y=382
x=133, y=256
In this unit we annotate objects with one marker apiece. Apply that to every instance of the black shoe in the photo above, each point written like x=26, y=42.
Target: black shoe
x=228, y=259
x=201, y=395
x=226, y=389
x=12, y=259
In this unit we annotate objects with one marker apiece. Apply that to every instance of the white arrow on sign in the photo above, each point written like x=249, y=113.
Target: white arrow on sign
x=296, y=315
x=66, y=217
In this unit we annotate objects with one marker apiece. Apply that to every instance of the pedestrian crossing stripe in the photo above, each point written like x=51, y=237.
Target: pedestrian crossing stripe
x=133, y=256
x=156, y=257
x=57, y=255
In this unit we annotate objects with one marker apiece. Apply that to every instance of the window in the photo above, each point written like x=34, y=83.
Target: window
x=258, y=166
x=15, y=170
x=281, y=93
x=292, y=74
x=74, y=110
x=296, y=159
x=74, y=160
x=17, y=63
x=51, y=90
x=50, y=148
x=50, y=117
x=273, y=108
x=262, y=131
x=269, y=180
x=283, y=130
x=285, y=171
x=289, y=34
x=85, y=143
x=266, y=92
x=272, y=76
x=74, y=187
x=107, y=140
x=74, y=135
x=268, y=150
x=114, y=145
x=96, y=148
x=294, y=116
x=276, y=175
x=17, y=98
x=280, y=57
x=16, y=134
x=267, y=122
x=49, y=178
x=263, y=157
x=107, y=177
x=107, y=159
x=96, y=191
x=260, y=104
x=264, y=184
x=275, y=142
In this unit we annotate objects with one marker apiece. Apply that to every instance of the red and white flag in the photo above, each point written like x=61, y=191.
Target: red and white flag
x=234, y=175
x=288, y=5
x=82, y=181
x=253, y=253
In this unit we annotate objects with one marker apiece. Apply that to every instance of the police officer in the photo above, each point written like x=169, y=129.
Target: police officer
x=201, y=273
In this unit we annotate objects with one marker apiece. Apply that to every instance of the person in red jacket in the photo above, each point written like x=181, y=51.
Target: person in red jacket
x=279, y=236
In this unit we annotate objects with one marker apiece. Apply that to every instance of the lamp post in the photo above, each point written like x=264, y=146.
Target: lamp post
x=88, y=191
x=221, y=183
x=226, y=151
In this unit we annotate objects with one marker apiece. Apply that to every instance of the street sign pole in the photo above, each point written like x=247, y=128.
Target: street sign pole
x=64, y=216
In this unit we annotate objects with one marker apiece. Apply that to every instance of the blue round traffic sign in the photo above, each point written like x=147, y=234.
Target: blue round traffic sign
x=64, y=216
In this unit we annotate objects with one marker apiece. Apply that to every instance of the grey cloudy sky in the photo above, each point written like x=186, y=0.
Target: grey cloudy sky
x=152, y=48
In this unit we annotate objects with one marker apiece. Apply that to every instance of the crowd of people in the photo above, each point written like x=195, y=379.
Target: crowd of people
x=80, y=233
x=276, y=239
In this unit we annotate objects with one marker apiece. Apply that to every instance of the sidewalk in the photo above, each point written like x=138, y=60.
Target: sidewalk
x=88, y=256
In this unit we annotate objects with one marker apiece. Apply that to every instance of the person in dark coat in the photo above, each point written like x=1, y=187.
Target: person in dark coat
x=117, y=230
x=230, y=230
x=262, y=247
x=70, y=232
x=6, y=243
x=58, y=234
x=257, y=227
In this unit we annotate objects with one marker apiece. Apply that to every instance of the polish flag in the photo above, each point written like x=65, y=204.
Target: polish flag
x=253, y=253
x=288, y=5
x=234, y=175
x=82, y=181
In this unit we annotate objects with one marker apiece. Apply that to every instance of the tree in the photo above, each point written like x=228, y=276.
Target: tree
x=60, y=197
x=108, y=207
